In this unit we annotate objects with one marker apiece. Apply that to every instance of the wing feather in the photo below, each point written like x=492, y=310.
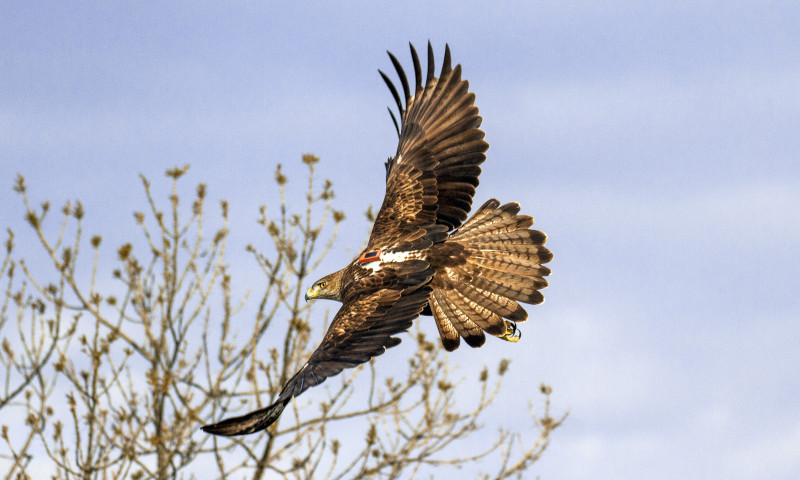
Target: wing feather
x=433, y=175
x=374, y=310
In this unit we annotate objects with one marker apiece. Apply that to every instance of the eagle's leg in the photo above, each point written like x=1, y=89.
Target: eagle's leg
x=513, y=334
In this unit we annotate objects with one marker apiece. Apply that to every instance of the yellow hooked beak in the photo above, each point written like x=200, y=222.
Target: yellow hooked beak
x=313, y=292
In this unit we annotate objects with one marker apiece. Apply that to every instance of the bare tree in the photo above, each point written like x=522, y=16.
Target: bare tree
x=110, y=376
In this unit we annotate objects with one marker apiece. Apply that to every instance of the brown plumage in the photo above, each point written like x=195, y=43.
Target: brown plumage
x=423, y=255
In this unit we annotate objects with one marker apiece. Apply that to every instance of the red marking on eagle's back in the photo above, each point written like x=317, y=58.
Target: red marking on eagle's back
x=370, y=256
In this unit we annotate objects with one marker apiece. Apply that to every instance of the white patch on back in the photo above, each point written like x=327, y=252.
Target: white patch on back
x=389, y=257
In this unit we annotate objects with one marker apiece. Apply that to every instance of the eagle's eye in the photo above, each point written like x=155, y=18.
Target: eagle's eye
x=322, y=284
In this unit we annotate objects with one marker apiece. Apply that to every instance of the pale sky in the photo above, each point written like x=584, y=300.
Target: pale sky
x=656, y=143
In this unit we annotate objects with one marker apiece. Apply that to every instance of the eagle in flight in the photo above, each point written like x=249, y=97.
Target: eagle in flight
x=424, y=257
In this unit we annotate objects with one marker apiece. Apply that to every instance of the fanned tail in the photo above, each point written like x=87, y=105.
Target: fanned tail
x=495, y=262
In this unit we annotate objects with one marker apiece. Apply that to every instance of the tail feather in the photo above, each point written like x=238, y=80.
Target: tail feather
x=521, y=294
x=496, y=260
x=494, y=220
x=501, y=264
x=523, y=283
x=447, y=331
x=481, y=316
x=500, y=305
x=511, y=234
x=497, y=227
x=537, y=253
x=466, y=328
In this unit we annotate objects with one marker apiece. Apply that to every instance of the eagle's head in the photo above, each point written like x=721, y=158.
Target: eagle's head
x=328, y=287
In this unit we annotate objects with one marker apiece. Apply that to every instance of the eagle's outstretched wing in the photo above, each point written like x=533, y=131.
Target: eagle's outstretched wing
x=375, y=308
x=429, y=188
x=433, y=175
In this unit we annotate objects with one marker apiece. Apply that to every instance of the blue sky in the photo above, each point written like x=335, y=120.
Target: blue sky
x=656, y=143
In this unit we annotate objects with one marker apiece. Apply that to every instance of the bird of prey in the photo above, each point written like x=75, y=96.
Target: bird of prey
x=424, y=257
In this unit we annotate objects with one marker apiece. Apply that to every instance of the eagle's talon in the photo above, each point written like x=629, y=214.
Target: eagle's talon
x=513, y=334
